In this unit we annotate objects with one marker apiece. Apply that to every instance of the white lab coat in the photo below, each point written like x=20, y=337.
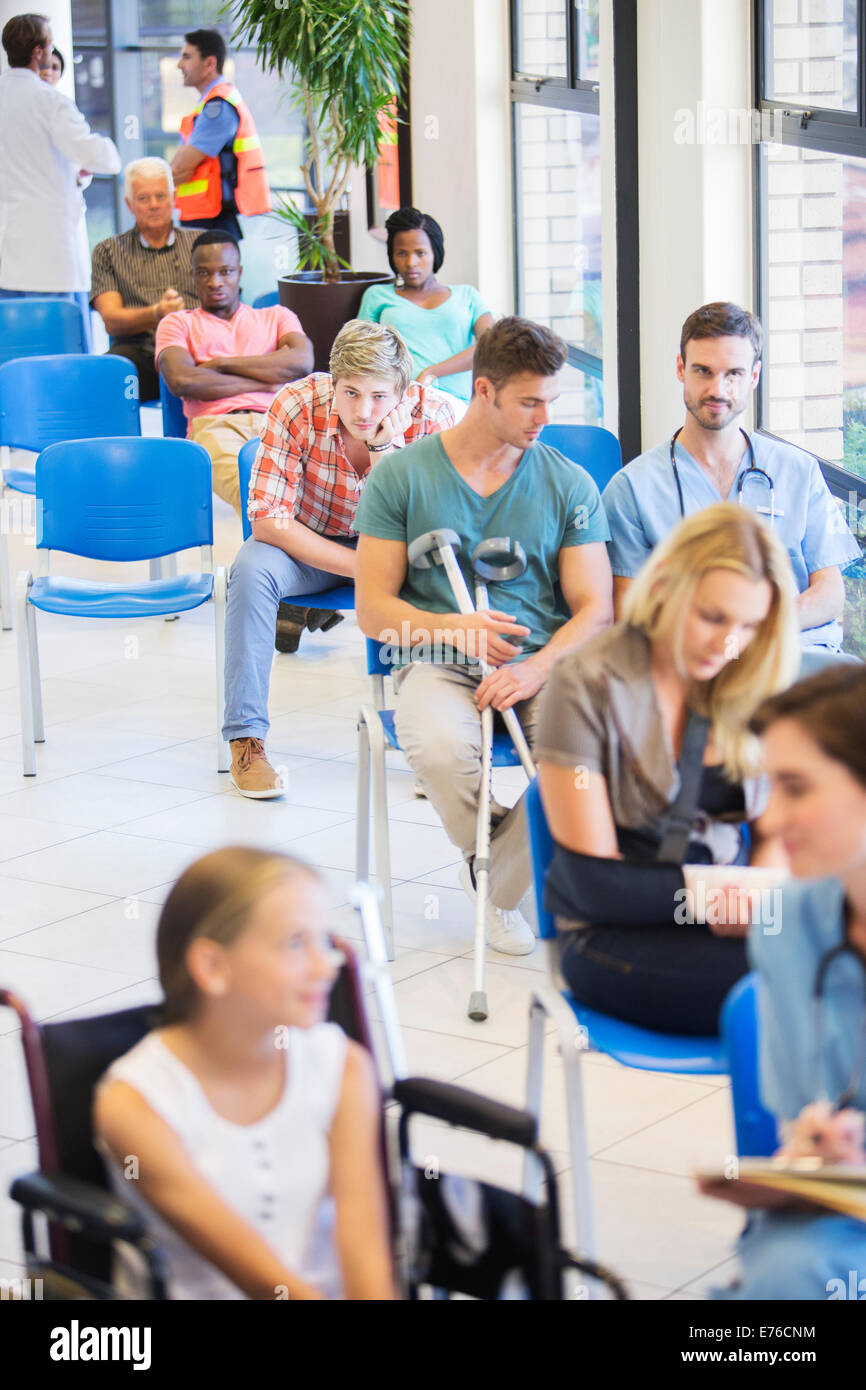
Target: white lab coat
x=44, y=141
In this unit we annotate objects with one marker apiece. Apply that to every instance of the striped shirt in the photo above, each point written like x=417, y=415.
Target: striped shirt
x=301, y=469
x=142, y=274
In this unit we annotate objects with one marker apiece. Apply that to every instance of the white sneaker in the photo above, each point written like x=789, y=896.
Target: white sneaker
x=507, y=929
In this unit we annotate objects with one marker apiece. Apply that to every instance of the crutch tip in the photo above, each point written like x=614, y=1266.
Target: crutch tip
x=478, y=1006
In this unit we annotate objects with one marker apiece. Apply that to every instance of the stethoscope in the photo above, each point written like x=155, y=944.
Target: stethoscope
x=753, y=472
x=850, y=1092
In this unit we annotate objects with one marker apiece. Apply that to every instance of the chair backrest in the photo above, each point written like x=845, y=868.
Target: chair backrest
x=174, y=422
x=124, y=499
x=45, y=400
x=246, y=458
x=266, y=301
x=33, y=327
x=755, y=1126
x=595, y=449
x=541, y=853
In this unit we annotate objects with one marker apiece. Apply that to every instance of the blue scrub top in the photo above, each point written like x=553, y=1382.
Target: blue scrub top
x=810, y=923
x=642, y=506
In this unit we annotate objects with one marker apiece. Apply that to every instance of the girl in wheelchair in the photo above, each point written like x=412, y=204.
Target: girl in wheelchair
x=245, y=1126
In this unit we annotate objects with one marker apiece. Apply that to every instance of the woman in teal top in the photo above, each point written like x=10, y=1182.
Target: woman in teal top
x=438, y=324
x=815, y=753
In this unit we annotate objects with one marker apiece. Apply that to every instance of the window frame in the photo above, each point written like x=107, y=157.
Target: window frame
x=579, y=95
x=834, y=132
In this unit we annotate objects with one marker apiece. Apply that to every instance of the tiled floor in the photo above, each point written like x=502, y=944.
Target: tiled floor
x=127, y=795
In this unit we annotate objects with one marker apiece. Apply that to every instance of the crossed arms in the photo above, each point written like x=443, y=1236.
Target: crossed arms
x=219, y=377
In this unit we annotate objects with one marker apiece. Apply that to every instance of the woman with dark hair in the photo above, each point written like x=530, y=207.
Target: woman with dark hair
x=53, y=73
x=439, y=323
x=254, y=1123
x=812, y=1059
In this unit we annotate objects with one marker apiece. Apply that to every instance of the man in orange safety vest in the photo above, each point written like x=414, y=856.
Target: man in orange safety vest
x=219, y=169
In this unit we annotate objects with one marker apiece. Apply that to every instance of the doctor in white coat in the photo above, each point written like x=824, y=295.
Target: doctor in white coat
x=44, y=142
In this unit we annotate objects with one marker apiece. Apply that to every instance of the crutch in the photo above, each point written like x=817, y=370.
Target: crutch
x=500, y=559
x=437, y=548
x=497, y=559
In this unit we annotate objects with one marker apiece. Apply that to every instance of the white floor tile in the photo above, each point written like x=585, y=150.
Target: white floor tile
x=22, y=834
x=105, y=862
x=47, y=986
x=234, y=819
x=24, y=905
x=93, y=800
x=118, y=936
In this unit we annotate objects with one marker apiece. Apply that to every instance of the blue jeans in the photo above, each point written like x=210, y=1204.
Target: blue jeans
x=79, y=297
x=260, y=577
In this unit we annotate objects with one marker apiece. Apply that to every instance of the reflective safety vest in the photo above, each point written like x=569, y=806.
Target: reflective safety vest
x=201, y=196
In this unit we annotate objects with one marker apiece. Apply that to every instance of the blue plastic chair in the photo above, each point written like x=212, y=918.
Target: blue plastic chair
x=266, y=301
x=754, y=1125
x=342, y=597
x=174, y=422
x=580, y=1029
x=376, y=732
x=45, y=400
x=118, y=499
x=595, y=449
x=35, y=327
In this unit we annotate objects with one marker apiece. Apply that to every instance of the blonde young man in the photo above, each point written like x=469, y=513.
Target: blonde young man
x=320, y=441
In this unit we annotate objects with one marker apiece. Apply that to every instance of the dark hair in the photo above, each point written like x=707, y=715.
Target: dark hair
x=831, y=708
x=210, y=44
x=215, y=237
x=722, y=320
x=55, y=53
x=214, y=898
x=514, y=345
x=21, y=34
x=411, y=220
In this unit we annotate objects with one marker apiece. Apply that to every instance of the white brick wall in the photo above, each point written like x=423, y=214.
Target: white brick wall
x=804, y=236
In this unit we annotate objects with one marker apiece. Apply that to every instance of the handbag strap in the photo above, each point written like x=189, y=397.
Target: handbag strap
x=680, y=816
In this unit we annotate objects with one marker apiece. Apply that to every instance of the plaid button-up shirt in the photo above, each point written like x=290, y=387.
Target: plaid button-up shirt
x=301, y=470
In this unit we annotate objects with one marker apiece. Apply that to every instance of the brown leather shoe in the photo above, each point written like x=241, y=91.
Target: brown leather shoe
x=251, y=772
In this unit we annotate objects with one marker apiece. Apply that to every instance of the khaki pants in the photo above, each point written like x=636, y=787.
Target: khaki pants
x=223, y=436
x=439, y=728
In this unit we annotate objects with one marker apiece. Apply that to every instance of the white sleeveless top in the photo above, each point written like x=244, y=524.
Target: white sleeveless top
x=275, y=1173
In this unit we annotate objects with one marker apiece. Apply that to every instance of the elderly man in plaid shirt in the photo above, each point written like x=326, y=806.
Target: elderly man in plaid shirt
x=320, y=440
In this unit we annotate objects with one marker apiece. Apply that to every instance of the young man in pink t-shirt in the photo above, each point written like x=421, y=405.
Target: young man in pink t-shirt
x=227, y=361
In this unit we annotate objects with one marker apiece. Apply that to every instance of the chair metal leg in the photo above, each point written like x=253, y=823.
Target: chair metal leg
x=6, y=598
x=581, y=1182
x=219, y=614
x=5, y=580
x=362, y=804
x=380, y=821
x=35, y=676
x=532, y=1174
x=25, y=679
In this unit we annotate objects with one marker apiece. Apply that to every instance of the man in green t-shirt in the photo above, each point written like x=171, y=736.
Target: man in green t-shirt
x=485, y=477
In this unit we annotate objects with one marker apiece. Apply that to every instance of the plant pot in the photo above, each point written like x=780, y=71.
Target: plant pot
x=323, y=308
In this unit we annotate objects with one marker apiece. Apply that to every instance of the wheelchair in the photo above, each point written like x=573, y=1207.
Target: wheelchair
x=451, y=1236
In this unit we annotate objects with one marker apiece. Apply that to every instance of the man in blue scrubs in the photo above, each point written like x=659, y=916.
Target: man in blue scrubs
x=710, y=459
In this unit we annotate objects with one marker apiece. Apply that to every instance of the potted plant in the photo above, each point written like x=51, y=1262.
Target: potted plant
x=347, y=61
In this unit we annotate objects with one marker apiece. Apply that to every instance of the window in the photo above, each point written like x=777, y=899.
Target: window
x=558, y=187
x=811, y=200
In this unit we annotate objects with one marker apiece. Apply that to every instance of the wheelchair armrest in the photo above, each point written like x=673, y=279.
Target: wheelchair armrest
x=457, y=1106
x=79, y=1206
